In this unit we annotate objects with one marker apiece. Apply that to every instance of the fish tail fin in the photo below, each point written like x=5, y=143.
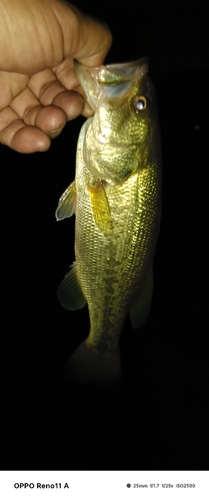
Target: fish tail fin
x=87, y=366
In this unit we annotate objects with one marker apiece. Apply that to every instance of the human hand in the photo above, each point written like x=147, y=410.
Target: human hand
x=39, y=89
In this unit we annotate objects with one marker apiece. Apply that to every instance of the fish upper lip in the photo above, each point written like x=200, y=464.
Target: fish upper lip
x=100, y=144
x=113, y=148
x=105, y=148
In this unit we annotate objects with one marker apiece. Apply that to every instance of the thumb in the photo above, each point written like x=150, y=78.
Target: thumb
x=90, y=41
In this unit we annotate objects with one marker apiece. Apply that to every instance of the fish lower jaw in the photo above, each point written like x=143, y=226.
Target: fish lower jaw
x=87, y=366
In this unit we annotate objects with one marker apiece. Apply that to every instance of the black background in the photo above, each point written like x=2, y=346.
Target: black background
x=158, y=417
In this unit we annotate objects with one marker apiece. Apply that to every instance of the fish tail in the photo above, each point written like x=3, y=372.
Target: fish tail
x=87, y=366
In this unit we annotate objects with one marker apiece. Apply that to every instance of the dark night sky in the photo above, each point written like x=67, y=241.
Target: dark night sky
x=174, y=34
x=159, y=417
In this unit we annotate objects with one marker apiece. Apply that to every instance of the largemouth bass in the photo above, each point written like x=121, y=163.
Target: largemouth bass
x=116, y=197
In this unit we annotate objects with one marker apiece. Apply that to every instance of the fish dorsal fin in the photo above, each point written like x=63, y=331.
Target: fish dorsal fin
x=66, y=206
x=69, y=292
x=100, y=208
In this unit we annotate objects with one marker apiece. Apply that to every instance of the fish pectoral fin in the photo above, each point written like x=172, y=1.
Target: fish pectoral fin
x=100, y=208
x=69, y=292
x=140, y=309
x=66, y=206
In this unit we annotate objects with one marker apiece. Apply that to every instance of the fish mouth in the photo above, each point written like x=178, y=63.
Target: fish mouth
x=101, y=143
x=103, y=146
x=94, y=157
x=104, y=160
x=111, y=81
x=113, y=84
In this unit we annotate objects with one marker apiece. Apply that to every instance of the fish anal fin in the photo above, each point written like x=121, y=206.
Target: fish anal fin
x=66, y=206
x=100, y=208
x=69, y=292
x=140, y=309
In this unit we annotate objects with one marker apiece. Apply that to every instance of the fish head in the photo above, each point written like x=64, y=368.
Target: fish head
x=123, y=134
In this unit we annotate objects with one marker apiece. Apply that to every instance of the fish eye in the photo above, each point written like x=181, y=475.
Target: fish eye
x=139, y=103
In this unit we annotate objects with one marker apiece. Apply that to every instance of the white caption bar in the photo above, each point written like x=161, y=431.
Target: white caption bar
x=105, y=485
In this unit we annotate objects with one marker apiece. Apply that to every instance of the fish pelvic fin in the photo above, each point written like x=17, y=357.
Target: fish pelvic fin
x=66, y=206
x=69, y=292
x=100, y=208
x=140, y=309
